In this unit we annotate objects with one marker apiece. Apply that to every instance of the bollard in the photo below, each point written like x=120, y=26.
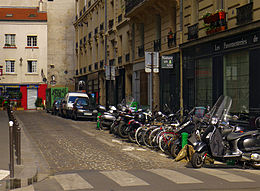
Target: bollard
x=18, y=145
x=184, y=139
x=11, y=146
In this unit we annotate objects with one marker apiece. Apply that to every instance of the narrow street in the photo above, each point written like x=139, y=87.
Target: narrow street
x=83, y=158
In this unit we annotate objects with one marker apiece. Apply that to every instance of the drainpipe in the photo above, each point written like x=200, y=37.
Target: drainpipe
x=181, y=64
x=105, y=61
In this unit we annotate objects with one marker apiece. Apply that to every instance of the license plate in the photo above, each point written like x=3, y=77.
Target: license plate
x=87, y=113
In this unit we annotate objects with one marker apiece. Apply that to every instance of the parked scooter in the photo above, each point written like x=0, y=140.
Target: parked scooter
x=106, y=118
x=221, y=142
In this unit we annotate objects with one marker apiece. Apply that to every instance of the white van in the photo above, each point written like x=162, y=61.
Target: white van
x=69, y=100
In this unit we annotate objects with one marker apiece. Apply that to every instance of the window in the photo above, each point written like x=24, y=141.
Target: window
x=9, y=66
x=236, y=80
x=10, y=40
x=32, y=66
x=204, y=82
x=31, y=40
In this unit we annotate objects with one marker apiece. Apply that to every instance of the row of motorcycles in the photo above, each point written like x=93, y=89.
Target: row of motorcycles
x=212, y=132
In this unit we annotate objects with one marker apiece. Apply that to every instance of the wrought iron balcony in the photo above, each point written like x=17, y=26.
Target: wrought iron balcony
x=193, y=32
x=245, y=14
x=130, y=4
x=141, y=51
x=157, y=45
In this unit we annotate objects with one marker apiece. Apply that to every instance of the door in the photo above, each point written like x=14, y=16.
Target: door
x=31, y=98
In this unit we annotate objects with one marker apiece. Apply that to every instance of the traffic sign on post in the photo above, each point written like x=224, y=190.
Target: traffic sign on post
x=148, y=62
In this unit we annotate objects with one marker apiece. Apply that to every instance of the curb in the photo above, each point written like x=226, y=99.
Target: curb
x=34, y=167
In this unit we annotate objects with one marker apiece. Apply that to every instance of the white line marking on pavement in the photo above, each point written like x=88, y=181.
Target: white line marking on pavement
x=128, y=148
x=106, y=142
x=4, y=173
x=116, y=141
x=257, y=172
x=72, y=182
x=224, y=175
x=124, y=179
x=175, y=176
x=141, y=149
x=89, y=133
x=84, y=131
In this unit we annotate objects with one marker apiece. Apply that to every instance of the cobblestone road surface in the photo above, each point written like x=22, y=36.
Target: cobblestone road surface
x=76, y=145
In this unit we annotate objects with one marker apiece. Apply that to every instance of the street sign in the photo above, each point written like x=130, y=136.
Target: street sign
x=148, y=62
x=1, y=71
x=167, y=62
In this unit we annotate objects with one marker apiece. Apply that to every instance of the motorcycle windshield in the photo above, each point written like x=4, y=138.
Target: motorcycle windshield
x=220, y=110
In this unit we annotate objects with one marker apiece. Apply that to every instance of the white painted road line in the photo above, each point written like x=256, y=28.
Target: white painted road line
x=72, y=182
x=256, y=172
x=4, y=173
x=224, y=175
x=124, y=179
x=106, y=142
x=175, y=176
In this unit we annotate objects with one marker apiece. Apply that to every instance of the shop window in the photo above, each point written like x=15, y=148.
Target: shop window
x=9, y=66
x=236, y=80
x=204, y=82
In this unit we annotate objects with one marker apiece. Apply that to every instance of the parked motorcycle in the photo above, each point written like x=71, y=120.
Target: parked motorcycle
x=222, y=142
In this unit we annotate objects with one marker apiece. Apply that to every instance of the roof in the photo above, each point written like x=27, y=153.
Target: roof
x=22, y=14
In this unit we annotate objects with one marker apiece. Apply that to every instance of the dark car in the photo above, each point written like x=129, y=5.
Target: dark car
x=61, y=108
x=55, y=107
x=84, y=108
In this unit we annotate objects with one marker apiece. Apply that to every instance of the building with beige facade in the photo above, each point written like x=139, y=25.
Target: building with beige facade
x=60, y=55
x=220, y=53
x=129, y=29
x=103, y=50
x=23, y=65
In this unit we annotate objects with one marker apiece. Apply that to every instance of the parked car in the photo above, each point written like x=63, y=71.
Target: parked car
x=55, y=107
x=83, y=108
x=68, y=102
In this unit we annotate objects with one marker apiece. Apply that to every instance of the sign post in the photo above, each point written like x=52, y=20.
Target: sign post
x=151, y=66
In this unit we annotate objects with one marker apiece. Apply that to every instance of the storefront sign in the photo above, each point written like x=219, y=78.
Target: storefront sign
x=32, y=86
x=235, y=44
x=167, y=62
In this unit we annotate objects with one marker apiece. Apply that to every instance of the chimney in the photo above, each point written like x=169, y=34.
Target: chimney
x=40, y=6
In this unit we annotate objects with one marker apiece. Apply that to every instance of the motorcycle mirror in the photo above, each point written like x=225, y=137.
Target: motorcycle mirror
x=235, y=117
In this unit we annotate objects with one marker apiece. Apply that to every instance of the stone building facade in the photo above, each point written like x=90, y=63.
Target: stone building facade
x=220, y=52
x=60, y=42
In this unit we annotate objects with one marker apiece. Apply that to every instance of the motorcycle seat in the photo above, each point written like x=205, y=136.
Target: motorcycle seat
x=236, y=135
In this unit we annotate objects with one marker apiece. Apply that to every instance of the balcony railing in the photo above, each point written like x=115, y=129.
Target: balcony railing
x=157, y=45
x=130, y=4
x=141, y=51
x=245, y=14
x=193, y=32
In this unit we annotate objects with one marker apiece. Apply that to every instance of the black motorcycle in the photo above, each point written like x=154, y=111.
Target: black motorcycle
x=221, y=142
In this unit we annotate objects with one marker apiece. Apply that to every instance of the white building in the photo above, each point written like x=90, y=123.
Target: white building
x=23, y=52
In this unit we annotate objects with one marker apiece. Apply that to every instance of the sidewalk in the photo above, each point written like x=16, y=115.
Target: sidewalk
x=34, y=167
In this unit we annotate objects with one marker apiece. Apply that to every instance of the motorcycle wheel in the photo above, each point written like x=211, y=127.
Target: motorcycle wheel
x=197, y=160
x=138, y=135
x=121, y=130
x=175, y=149
x=131, y=136
x=256, y=165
